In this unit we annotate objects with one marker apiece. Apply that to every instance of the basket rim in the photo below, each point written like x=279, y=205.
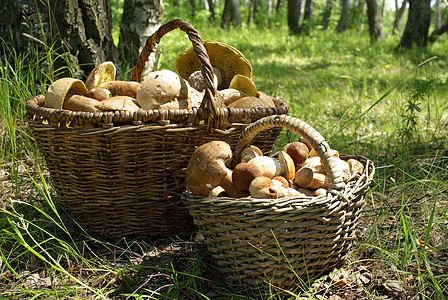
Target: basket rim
x=225, y=114
x=360, y=184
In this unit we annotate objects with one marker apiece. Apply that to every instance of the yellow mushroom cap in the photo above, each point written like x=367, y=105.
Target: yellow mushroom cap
x=243, y=83
x=58, y=91
x=104, y=72
x=225, y=57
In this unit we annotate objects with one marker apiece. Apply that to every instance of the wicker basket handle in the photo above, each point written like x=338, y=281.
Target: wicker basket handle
x=322, y=148
x=208, y=102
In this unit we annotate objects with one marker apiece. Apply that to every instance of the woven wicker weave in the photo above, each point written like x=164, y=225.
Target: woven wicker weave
x=125, y=176
x=255, y=241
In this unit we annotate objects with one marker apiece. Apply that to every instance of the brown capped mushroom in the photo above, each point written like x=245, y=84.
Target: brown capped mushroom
x=80, y=103
x=166, y=90
x=266, y=188
x=307, y=178
x=120, y=103
x=298, y=151
x=62, y=89
x=98, y=94
x=225, y=57
x=243, y=174
x=266, y=99
x=247, y=102
x=207, y=169
x=122, y=88
x=269, y=166
x=229, y=96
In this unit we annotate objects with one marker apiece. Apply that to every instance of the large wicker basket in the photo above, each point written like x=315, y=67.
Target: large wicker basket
x=125, y=176
x=282, y=241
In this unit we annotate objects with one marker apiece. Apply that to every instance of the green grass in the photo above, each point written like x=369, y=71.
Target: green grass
x=364, y=99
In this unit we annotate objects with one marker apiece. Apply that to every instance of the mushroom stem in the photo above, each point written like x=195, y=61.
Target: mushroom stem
x=230, y=189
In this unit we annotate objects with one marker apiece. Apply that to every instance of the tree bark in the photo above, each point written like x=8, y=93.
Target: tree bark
x=140, y=19
x=211, y=9
x=398, y=16
x=437, y=16
x=375, y=23
x=193, y=8
x=231, y=13
x=343, y=20
x=309, y=8
x=417, y=26
x=327, y=14
x=438, y=32
x=80, y=28
x=294, y=7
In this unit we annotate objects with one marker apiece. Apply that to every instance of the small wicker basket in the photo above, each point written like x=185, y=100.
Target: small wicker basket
x=125, y=176
x=282, y=241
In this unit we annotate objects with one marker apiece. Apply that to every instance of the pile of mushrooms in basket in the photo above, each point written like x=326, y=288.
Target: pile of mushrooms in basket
x=297, y=171
x=163, y=89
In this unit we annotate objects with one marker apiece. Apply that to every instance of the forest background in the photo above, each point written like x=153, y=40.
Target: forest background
x=371, y=85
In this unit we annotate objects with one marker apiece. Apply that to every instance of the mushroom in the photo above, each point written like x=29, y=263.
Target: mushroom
x=283, y=180
x=243, y=174
x=266, y=99
x=103, y=72
x=247, y=102
x=122, y=88
x=250, y=152
x=266, y=188
x=225, y=57
x=268, y=166
x=271, y=167
x=333, y=152
x=98, y=93
x=67, y=93
x=356, y=168
x=243, y=83
x=166, y=90
x=315, y=163
x=229, y=96
x=207, y=169
x=307, y=178
x=287, y=164
x=121, y=103
x=298, y=151
x=197, y=81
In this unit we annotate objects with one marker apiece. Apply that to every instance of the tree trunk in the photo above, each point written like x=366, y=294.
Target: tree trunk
x=231, y=13
x=278, y=6
x=294, y=7
x=437, y=16
x=416, y=30
x=193, y=8
x=438, y=32
x=140, y=19
x=309, y=8
x=327, y=14
x=398, y=16
x=211, y=9
x=250, y=18
x=343, y=20
x=80, y=28
x=236, y=14
x=375, y=23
